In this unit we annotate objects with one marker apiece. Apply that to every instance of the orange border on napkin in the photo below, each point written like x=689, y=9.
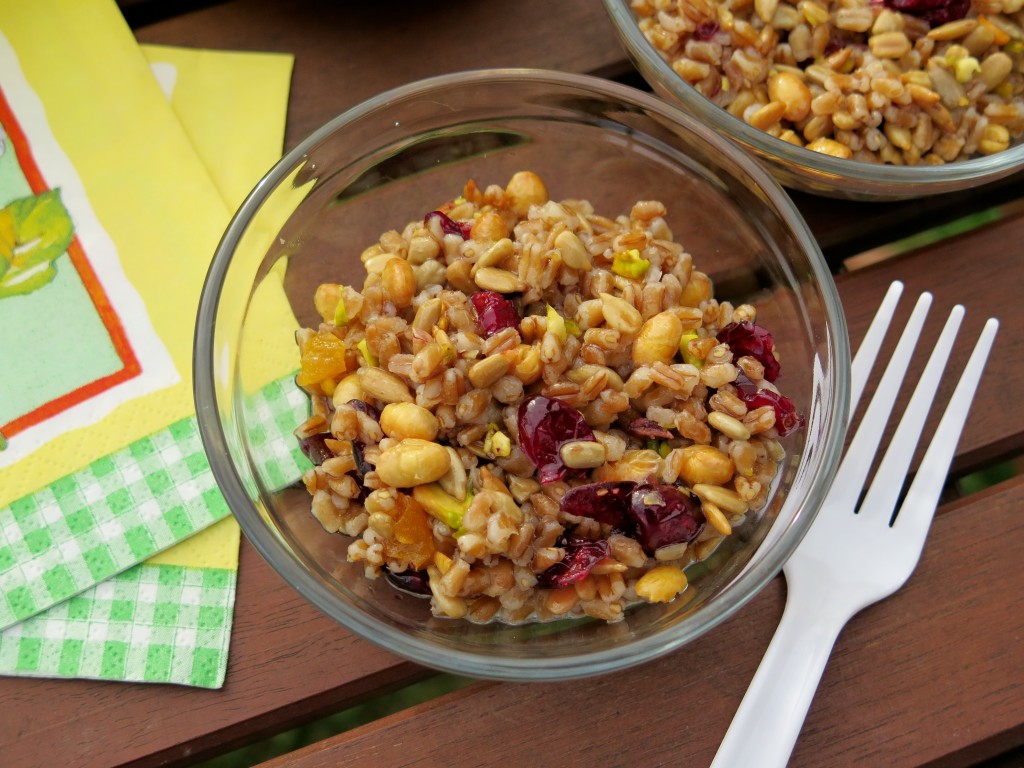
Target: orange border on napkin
x=131, y=367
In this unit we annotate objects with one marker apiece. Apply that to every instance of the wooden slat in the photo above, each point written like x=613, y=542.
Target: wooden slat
x=844, y=229
x=930, y=676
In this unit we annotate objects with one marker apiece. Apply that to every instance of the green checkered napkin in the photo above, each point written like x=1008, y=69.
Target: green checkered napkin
x=155, y=623
x=82, y=536
x=94, y=523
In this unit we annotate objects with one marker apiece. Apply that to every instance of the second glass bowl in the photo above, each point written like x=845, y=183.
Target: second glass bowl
x=802, y=168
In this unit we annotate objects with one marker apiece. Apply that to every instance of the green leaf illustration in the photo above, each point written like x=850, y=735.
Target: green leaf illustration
x=34, y=232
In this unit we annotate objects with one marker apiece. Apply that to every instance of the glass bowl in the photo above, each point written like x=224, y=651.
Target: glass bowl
x=802, y=168
x=399, y=155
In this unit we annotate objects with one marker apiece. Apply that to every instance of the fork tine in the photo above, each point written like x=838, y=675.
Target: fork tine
x=857, y=462
x=881, y=497
x=864, y=361
x=918, y=508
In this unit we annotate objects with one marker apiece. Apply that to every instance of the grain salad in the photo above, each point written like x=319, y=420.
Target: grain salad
x=903, y=82
x=530, y=410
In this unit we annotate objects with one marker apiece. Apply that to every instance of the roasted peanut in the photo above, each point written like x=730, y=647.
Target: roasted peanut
x=705, y=464
x=661, y=584
x=523, y=190
x=658, y=340
x=413, y=462
x=402, y=420
x=490, y=227
x=791, y=91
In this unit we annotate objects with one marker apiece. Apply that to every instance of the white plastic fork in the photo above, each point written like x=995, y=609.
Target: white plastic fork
x=826, y=577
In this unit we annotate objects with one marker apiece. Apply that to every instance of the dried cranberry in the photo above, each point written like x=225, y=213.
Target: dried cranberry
x=494, y=312
x=706, y=30
x=357, y=448
x=655, y=515
x=362, y=467
x=648, y=428
x=935, y=12
x=664, y=515
x=835, y=44
x=605, y=502
x=747, y=338
x=369, y=410
x=787, y=420
x=315, y=448
x=581, y=555
x=545, y=424
x=448, y=226
x=412, y=582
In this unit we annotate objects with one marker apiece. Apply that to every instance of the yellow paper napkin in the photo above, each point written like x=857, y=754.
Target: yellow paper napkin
x=102, y=471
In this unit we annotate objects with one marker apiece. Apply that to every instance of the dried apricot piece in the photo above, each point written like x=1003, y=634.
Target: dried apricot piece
x=412, y=539
x=323, y=357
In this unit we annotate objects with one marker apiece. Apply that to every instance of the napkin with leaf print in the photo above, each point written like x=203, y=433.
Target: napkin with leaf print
x=119, y=169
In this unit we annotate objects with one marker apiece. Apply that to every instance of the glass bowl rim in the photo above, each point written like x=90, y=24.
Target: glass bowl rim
x=898, y=178
x=478, y=663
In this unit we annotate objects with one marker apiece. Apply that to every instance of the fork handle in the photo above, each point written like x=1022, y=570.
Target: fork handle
x=773, y=709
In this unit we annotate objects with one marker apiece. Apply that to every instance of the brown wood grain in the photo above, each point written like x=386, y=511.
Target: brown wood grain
x=932, y=674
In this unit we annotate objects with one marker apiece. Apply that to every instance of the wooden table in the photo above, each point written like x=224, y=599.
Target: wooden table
x=932, y=677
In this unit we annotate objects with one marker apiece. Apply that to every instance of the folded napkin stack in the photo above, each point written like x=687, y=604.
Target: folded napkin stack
x=120, y=166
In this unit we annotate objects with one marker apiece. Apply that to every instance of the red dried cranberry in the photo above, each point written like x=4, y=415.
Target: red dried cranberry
x=664, y=515
x=415, y=583
x=357, y=448
x=545, y=424
x=835, y=44
x=369, y=410
x=649, y=429
x=605, y=502
x=581, y=555
x=935, y=12
x=747, y=338
x=655, y=515
x=315, y=448
x=706, y=30
x=362, y=467
x=494, y=312
x=448, y=226
x=787, y=420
